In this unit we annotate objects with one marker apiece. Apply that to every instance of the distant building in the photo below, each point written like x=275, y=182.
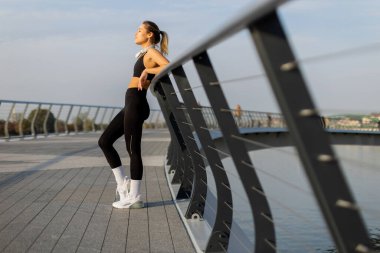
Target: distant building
x=348, y=123
x=376, y=115
x=366, y=120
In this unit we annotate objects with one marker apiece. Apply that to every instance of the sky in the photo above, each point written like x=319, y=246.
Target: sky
x=82, y=51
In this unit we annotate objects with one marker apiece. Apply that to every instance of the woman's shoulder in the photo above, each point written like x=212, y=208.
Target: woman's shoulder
x=156, y=56
x=153, y=51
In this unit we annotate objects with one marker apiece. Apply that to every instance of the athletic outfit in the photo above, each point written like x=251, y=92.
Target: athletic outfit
x=128, y=122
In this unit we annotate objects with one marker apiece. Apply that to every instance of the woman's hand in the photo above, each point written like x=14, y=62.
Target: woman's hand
x=142, y=80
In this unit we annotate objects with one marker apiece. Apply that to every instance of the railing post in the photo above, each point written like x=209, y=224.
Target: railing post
x=199, y=192
x=220, y=234
x=21, y=127
x=46, y=119
x=34, y=134
x=111, y=116
x=94, y=119
x=174, y=146
x=179, y=171
x=184, y=173
x=67, y=119
x=6, y=129
x=250, y=120
x=175, y=167
x=321, y=165
x=263, y=221
x=56, y=120
x=170, y=153
x=76, y=120
x=102, y=120
x=85, y=118
x=150, y=119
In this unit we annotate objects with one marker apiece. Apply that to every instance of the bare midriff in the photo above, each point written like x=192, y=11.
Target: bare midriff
x=135, y=81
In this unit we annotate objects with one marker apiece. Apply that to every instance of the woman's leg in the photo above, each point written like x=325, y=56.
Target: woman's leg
x=136, y=111
x=134, y=117
x=133, y=134
x=113, y=132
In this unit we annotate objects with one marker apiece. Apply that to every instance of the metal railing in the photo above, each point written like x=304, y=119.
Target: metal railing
x=256, y=119
x=246, y=119
x=193, y=151
x=20, y=119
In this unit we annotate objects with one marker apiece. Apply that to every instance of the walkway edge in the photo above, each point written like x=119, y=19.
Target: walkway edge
x=181, y=214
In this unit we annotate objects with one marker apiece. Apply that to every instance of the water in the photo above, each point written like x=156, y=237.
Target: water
x=299, y=224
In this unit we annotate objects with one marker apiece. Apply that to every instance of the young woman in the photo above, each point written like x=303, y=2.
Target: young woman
x=129, y=121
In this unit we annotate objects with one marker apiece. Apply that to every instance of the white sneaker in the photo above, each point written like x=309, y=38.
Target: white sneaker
x=122, y=190
x=129, y=202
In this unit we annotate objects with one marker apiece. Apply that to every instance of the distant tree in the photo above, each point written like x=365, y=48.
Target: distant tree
x=84, y=123
x=61, y=126
x=12, y=128
x=25, y=127
x=2, y=125
x=39, y=123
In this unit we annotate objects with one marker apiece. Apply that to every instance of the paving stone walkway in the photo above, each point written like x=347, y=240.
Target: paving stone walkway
x=56, y=195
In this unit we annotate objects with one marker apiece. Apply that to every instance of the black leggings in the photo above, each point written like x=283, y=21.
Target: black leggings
x=128, y=121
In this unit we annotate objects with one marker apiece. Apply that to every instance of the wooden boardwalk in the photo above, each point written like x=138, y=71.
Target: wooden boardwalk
x=56, y=195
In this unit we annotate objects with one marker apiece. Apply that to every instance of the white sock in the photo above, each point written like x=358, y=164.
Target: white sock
x=135, y=188
x=119, y=174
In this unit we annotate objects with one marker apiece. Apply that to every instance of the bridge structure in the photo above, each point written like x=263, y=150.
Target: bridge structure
x=216, y=178
x=206, y=161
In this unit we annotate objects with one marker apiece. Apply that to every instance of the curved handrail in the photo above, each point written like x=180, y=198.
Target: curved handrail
x=305, y=125
x=251, y=14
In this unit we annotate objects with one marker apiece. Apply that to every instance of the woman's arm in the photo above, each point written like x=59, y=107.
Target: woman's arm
x=157, y=60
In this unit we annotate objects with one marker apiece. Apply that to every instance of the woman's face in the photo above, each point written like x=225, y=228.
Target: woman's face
x=142, y=35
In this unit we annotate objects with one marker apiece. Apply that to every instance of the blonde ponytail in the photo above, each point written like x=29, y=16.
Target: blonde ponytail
x=159, y=36
x=164, y=42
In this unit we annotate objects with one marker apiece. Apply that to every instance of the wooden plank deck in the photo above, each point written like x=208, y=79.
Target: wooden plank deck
x=56, y=195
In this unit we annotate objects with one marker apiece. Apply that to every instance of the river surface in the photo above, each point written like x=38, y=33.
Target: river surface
x=299, y=225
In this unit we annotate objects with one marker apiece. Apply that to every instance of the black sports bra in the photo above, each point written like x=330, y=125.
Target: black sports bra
x=139, y=68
